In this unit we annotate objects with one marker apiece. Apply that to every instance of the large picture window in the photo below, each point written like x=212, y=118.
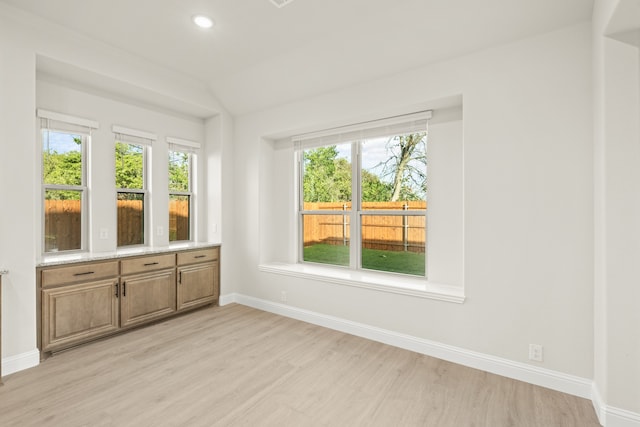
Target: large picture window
x=64, y=180
x=131, y=153
x=363, y=196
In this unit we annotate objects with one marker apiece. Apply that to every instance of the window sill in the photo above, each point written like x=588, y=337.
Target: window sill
x=402, y=285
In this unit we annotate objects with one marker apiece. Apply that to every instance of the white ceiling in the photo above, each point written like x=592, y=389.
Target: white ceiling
x=258, y=56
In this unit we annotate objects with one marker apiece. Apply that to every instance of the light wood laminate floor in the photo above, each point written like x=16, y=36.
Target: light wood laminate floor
x=234, y=365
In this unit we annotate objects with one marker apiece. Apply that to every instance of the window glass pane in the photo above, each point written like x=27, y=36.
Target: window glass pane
x=327, y=174
x=179, y=179
x=130, y=219
x=61, y=158
x=62, y=220
x=179, y=217
x=326, y=239
x=129, y=166
x=394, y=243
x=394, y=170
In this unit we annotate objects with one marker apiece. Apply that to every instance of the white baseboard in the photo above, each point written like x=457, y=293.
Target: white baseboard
x=616, y=417
x=611, y=416
x=565, y=383
x=226, y=299
x=13, y=364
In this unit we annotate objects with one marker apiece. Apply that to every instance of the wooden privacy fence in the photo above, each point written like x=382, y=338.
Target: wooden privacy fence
x=63, y=228
x=387, y=232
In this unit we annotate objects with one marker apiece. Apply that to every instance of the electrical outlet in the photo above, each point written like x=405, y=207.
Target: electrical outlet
x=283, y=296
x=104, y=233
x=160, y=231
x=535, y=352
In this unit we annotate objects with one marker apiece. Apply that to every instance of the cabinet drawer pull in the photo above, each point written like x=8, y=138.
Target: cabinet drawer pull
x=151, y=263
x=84, y=274
x=200, y=256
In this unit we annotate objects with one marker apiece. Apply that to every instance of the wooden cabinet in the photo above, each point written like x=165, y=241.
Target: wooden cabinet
x=198, y=281
x=87, y=300
x=83, y=310
x=147, y=296
x=77, y=313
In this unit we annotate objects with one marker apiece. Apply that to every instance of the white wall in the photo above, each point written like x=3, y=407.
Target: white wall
x=617, y=207
x=18, y=185
x=528, y=223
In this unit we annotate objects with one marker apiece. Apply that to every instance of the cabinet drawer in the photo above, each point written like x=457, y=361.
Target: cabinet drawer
x=203, y=255
x=148, y=263
x=76, y=273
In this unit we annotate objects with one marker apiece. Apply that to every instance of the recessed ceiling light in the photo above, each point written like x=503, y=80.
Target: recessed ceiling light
x=203, y=21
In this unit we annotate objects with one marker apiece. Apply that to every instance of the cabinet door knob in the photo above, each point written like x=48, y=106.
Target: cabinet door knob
x=116, y=286
x=124, y=289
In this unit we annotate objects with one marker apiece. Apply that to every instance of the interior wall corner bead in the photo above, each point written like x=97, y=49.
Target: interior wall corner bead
x=134, y=132
x=65, y=118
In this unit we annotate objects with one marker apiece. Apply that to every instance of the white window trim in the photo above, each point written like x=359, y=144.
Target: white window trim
x=64, y=123
x=368, y=279
x=354, y=135
x=191, y=148
x=379, y=281
x=145, y=140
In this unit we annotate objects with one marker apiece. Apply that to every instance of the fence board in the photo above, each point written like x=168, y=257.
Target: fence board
x=63, y=223
x=393, y=233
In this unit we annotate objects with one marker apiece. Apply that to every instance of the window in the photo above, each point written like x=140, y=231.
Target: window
x=131, y=152
x=64, y=180
x=363, y=196
x=181, y=166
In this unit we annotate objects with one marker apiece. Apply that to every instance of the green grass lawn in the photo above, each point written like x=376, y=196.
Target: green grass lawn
x=372, y=259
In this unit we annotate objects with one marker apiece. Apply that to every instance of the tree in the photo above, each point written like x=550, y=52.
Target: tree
x=407, y=166
x=129, y=167
x=373, y=189
x=62, y=169
x=178, y=171
x=326, y=177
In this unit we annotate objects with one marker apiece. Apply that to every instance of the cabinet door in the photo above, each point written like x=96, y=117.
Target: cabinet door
x=77, y=313
x=197, y=285
x=148, y=296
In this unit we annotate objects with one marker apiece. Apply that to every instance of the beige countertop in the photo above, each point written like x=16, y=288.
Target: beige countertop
x=55, y=259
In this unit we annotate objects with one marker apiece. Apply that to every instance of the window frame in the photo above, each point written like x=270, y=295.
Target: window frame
x=190, y=156
x=128, y=136
x=82, y=189
x=354, y=135
x=51, y=121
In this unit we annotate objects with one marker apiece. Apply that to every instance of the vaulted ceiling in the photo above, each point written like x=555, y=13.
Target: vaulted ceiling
x=257, y=55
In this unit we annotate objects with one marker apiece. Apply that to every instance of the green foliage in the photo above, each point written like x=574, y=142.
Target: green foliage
x=178, y=171
x=321, y=183
x=62, y=169
x=129, y=166
x=327, y=178
x=374, y=190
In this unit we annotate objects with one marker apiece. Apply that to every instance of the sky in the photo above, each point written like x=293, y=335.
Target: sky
x=61, y=142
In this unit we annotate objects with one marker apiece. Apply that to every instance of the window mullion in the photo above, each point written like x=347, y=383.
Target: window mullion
x=356, y=206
